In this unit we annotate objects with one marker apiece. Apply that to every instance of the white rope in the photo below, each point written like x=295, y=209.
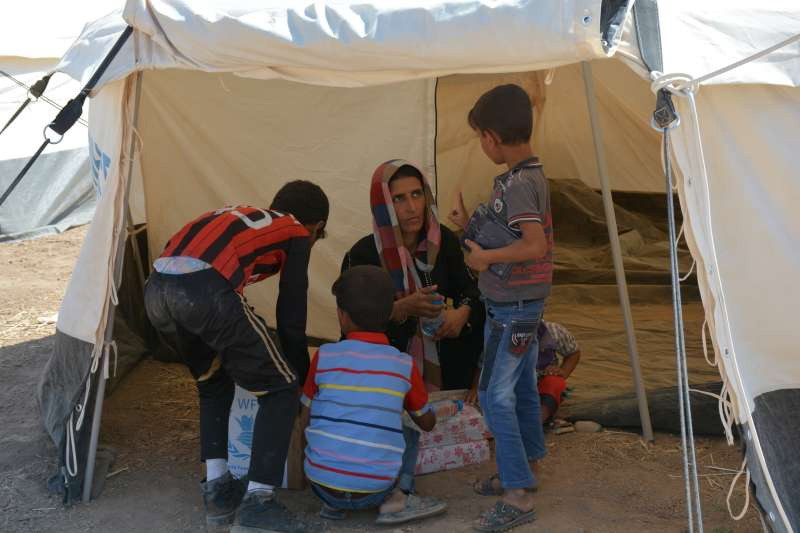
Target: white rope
x=548, y=78
x=742, y=470
x=71, y=455
x=684, y=278
x=113, y=292
x=705, y=344
x=677, y=241
x=680, y=82
x=132, y=232
x=748, y=59
x=97, y=352
x=80, y=408
x=725, y=409
x=112, y=346
x=680, y=234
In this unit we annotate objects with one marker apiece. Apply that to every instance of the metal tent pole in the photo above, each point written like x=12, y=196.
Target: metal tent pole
x=616, y=252
x=102, y=369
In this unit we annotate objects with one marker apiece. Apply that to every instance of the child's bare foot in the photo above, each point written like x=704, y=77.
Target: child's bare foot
x=400, y=508
x=395, y=503
x=492, y=486
x=520, y=499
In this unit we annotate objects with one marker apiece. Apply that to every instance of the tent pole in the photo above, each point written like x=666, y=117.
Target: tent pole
x=616, y=252
x=103, y=367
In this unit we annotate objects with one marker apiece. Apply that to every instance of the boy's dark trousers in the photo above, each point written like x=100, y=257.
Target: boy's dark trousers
x=222, y=341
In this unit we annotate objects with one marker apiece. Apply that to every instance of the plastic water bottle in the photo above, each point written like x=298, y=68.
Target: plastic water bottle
x=446, y=408
x=431, y=325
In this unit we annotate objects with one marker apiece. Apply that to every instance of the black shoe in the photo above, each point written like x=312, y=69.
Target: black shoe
x=260, y=512
x=222, y=497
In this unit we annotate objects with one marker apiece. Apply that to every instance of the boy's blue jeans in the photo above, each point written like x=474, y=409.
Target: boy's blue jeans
x=507, y=389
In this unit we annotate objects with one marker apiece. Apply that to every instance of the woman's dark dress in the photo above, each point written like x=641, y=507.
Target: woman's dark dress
x=458, y=357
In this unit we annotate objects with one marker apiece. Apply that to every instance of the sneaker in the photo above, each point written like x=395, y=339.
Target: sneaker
x=222, y=497
x=260, y=512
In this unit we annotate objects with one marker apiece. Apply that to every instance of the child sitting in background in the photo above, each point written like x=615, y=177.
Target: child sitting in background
x=355, y=394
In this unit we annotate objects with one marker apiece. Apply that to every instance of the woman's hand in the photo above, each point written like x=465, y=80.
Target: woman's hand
x=472, y=396
x=454, y=322
x=419, y=303
x=458, y=215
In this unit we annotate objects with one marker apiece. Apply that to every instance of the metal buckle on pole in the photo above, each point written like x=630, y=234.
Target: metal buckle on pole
x=665, y=117
x=57, y=135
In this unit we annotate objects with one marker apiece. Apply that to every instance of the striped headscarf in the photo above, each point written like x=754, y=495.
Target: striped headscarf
x=398, y=261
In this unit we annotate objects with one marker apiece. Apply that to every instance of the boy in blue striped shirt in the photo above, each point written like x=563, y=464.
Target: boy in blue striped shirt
x=355, y=394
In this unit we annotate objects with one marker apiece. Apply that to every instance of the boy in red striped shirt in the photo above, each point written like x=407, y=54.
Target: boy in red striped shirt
x=195, y=299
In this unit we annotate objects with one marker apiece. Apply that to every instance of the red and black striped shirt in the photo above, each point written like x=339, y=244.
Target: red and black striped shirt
x=246, y=245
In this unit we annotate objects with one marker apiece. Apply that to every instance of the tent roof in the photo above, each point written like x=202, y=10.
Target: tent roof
x=356, y=43
x=46, y=28
x=344, y=43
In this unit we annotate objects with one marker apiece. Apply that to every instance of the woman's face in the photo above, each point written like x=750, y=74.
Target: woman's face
x=408, y=198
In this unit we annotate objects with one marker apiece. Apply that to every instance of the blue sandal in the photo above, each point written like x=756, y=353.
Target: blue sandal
x=502, y=518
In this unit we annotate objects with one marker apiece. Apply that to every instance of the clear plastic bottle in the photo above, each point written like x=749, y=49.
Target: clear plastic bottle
x=446, y=408
x=431, y=325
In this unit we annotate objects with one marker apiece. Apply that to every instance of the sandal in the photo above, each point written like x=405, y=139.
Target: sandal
x=416, y=509
x=332, y=513
x=502, y=518
x=487, y=487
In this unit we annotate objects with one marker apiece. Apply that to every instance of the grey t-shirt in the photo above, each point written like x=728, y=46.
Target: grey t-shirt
x=522, y=195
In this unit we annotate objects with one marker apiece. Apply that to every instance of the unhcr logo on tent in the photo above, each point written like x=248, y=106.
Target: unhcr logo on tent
x=101, y=162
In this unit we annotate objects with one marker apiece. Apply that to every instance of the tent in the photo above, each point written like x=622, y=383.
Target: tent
x=213, y=103
x=60, y=191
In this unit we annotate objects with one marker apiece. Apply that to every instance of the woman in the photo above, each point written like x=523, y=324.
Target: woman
x=423, y=258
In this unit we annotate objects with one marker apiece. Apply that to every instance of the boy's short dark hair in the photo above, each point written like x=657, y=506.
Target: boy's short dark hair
x=505, y=110
x=366, y=293
x=303, y=199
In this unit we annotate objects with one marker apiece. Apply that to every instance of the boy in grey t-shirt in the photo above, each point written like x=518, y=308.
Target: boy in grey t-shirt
x=518, y=196
x=507, y=388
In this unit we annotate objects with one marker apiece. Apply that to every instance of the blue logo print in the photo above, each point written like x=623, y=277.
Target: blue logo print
x=244, y=438
x=101, y=162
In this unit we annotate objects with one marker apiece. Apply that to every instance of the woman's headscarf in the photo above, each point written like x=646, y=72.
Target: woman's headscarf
x=398, y=261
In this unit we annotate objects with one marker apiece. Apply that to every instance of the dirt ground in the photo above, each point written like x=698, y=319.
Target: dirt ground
x=608, y=481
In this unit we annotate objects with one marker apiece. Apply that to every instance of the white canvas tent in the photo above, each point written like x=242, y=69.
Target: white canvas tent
x=217, y=103
x=58, y=192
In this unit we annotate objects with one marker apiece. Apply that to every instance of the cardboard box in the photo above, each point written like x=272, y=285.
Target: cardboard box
x=453, y=456
x=466, y=426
